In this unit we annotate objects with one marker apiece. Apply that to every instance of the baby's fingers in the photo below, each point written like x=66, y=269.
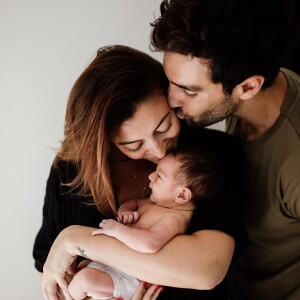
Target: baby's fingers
x=98, y=231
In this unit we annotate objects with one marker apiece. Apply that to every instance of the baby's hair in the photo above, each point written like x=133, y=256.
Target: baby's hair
x=200, y=172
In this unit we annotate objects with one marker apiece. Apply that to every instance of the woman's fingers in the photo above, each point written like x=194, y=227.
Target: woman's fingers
x=140, y=291
x=145, y=291
x=57, y=291
x=152, y=292
x=64, y=288
x=55, y=270
x=50, y=292
x=61, y=295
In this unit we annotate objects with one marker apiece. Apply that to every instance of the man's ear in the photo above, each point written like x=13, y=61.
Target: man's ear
x=184, y=195
x=250, y=87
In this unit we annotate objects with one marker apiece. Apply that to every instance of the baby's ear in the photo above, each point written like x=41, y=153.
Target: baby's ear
x=184, y=195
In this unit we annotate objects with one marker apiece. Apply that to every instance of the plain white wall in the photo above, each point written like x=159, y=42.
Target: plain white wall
x=44, y=46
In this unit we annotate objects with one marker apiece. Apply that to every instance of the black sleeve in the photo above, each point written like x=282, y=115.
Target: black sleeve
x=61, y=209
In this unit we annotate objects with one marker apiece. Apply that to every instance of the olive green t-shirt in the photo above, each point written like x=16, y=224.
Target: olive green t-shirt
x=269, y=267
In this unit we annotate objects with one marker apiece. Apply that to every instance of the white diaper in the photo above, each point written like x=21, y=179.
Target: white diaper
x=124, y=285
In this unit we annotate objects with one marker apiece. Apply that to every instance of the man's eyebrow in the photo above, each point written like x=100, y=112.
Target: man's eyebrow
x=192, y=88
x=162, y=120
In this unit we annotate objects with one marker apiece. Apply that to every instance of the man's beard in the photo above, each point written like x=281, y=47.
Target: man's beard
x=223, y=110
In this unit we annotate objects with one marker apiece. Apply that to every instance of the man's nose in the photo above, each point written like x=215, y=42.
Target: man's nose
x=173, y=96
x=152, y=176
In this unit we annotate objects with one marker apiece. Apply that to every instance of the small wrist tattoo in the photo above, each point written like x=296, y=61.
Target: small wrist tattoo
x=82, y=253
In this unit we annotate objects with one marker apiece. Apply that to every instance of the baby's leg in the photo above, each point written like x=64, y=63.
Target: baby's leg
x=91, y=282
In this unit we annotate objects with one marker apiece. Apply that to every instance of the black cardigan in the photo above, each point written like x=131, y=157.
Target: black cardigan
x=62, y=209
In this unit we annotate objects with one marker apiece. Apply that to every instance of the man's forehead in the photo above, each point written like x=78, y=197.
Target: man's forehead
x=185, y=70
x=185, y=59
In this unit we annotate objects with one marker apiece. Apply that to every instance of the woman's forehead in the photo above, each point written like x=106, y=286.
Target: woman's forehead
x=143, y=123
x=148, y=116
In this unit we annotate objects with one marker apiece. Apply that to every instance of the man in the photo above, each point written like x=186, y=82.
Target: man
x=223, y=59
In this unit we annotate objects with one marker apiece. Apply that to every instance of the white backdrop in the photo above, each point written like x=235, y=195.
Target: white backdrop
x=44, y=46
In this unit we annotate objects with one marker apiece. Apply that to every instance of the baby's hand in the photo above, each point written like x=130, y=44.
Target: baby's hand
x=128, y=217
x=108, y=227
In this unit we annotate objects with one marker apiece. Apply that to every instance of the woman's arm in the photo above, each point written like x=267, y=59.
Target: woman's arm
x=199, y=261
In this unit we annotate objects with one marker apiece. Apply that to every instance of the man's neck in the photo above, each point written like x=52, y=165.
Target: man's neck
x=261, y=112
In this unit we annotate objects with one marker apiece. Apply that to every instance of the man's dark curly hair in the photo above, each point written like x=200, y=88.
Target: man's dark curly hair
x=240, y=38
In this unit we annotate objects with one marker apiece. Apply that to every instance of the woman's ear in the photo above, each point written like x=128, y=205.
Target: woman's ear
x=184, y=195
x=250, y=87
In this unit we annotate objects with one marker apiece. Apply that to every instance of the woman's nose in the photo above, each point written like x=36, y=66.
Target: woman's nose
x=158, y=149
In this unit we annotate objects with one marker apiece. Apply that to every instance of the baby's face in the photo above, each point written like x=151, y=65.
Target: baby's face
x=162, y=182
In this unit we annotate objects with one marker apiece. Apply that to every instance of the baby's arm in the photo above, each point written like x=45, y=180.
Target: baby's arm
x=127, y=212
x=129, y=205
x=142, y=240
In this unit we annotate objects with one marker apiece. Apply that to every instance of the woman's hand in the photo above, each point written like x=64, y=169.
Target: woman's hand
x=146, y=291
x=55, y=271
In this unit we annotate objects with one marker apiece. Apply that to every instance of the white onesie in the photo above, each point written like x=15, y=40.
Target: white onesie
x=124, y=285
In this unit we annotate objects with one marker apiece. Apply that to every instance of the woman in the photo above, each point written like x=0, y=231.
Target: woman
x=118, y=126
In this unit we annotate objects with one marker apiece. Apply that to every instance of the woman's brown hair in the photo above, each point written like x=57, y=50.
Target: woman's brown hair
x=106, y=94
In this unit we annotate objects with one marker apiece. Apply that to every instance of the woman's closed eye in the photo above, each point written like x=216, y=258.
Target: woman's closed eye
x=135, y=149
x=162, y=131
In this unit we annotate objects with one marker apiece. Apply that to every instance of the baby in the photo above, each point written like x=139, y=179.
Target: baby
x=181, y=179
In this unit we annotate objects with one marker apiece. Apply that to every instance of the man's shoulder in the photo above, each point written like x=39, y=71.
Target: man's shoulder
x=291, y=105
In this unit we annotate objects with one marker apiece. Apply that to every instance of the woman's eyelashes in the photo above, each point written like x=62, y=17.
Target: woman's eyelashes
x=136, y=149
x=157, y=132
